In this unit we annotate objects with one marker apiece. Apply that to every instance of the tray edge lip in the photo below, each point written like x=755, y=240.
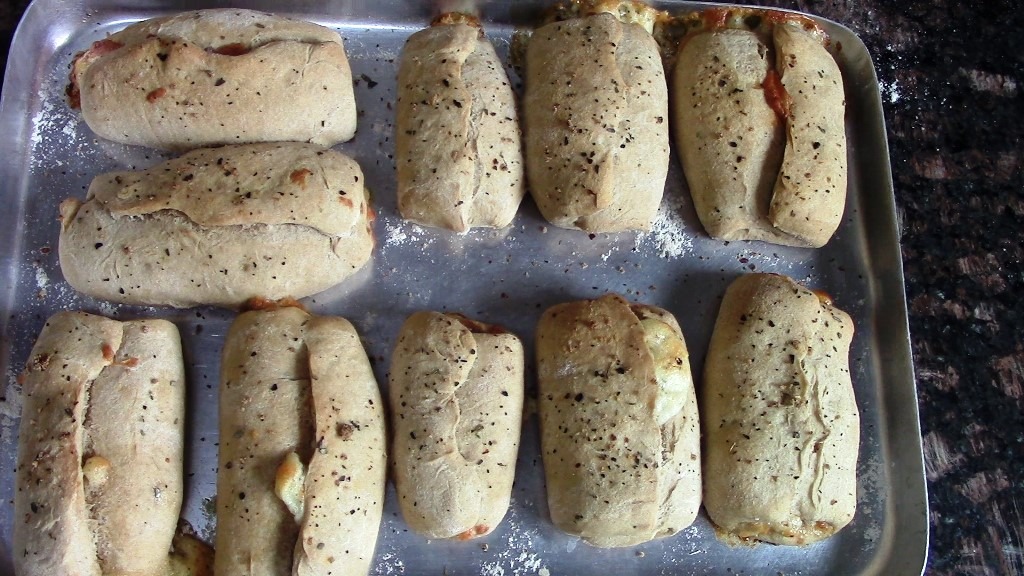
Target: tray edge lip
x=22, y=145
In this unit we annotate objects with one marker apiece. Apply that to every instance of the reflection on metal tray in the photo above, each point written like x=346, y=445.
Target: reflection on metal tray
x=506, y=277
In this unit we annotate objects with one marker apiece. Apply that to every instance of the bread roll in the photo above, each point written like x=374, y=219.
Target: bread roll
x=99, y=471
x=810, y=192
x=758, y=121
x=618, y=416
x=219, y=226
x=780, y=418
x=457, y=144
x=596, y=119
x=212, y=77
x=300, y=482
x=457, y=402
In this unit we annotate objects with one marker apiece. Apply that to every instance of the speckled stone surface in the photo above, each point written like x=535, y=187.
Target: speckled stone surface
x=951, y=74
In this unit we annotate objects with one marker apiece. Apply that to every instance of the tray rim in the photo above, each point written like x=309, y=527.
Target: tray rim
x=895, y=360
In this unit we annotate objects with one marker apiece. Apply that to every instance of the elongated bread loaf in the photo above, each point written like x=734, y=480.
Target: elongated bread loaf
x=457, y=143
x=596, y=121
x=618, y=415
x=780, y=419
x=212, y=77
x=300, y=483
x=457, y=403
x=758, y=122
x=99, y=472
x=219, y=226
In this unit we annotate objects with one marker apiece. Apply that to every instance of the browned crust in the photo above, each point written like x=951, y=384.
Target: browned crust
x=758, y=20
x=453, y=18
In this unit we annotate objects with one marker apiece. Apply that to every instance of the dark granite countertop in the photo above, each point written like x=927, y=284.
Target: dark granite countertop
x=951, y=75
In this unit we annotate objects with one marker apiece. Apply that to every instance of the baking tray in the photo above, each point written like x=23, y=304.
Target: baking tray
x=507, y=277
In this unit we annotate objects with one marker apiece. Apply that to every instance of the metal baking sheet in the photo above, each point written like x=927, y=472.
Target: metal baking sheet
x=507, y=277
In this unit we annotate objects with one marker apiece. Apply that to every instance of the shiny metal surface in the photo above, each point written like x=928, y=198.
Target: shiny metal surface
x=507, y=277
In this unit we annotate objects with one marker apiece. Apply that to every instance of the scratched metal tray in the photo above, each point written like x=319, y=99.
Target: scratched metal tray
x=507, y=277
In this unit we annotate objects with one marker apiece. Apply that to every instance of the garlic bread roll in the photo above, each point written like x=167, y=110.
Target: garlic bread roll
x=619, y=426
x=300, y=482
x=219, y=226
x=780, y=418
x=759, y=125
x=457, y=142
x=457, y=401
x=596, y=119
x=213, y=77
x=99, y=472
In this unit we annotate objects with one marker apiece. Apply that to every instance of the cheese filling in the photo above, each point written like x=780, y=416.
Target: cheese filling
x=671, y=368
x=289, y=485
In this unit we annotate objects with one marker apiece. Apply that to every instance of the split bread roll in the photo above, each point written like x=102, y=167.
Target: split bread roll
x=457, y=143
x=759, y=125
x=618, y=421
x=300, y=482
x=99, y=470
x=457, y=403
x=596, y=118
x=212, y=77
x=219, y=226
x=781, y=423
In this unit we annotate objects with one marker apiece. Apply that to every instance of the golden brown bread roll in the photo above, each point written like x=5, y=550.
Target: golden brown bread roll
x=300, y=482
x=456, y=402
x=759, y=126
x=213, y=77
x=457, y=142
x=99, y=472
x=618, y=414
x=780, y=418
x=596, y=118
x=219, y=226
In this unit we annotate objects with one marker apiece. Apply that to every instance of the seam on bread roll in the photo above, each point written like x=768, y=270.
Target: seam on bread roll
x=615, y=475
x=101, y=437
x=456, y=396
x=781, y=418
x=344, y=482
x=675, y=411
x=264, y=415
x=220, y=226
x=730, y=140
x=281, y=183
x=135, y=425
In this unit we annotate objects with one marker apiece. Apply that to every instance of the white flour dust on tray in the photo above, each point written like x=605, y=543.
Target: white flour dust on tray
x=398, y=232
x=10, y=405
x=55, y=126
x=519, y=554
x=57, y=293
x=389, y=563
x=669, y=236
